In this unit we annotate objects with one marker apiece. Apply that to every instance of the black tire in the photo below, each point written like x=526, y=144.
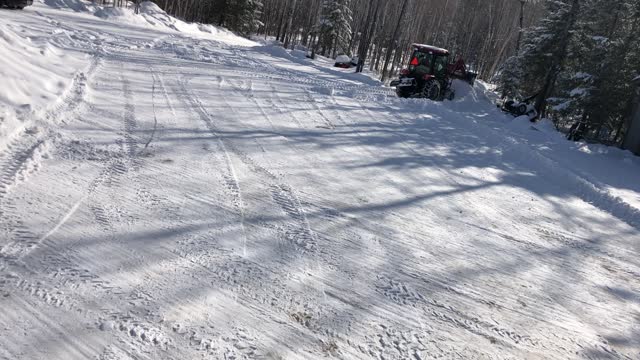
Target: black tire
x=522, y=110
x=431, y=90
x=402, y=93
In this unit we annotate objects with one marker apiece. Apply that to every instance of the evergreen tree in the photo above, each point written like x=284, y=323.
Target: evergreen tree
x=612, y=90
x=542, y=57
x=243, y=16
x=597, y=89
x=334, y=29
x=509, y=77
x=546, y=49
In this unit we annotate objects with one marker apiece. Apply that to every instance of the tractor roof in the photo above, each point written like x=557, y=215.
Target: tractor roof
x=429, y=48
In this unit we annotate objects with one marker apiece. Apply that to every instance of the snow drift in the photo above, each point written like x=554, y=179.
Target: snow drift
x=34, y=74
x=75, y=5
x=152, y=16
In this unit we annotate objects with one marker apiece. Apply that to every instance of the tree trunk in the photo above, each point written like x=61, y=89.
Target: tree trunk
x=521, y=26
x=393, y=40
x=558, y=60
x=289, y=23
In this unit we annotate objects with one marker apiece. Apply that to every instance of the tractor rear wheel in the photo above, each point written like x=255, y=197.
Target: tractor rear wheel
x=451, y=96
x=431, y=90
x=403, y=93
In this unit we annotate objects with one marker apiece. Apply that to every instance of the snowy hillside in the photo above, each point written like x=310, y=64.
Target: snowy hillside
x=171, y=190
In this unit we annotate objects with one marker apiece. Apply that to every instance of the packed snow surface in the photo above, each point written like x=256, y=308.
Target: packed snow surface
x=170, y=190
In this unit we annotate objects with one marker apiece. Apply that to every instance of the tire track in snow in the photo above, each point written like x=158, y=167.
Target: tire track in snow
x=159, y=131
x=280, y=109
x=138, y=329
x=63, y=284
x=288, y=203
x=244, y=279
x=112, y=352
x=483, y=294
x=129, y=121
x=155, y=114
x=21, y=160
x=459, y=319
x=314, y=103
x=17, y=164
x=165, y=94
x=402, y=294
x=56, y=283
x=248, y=94
x=66, y=217
x=62, y=290
x=608, y=259
x=229, y=176
x=282, y=194
x=75, y=96
x=404, y=143
x=263, y=70
x=118, y=168
x=24, y=157
x=156, y=82
x=299, y=233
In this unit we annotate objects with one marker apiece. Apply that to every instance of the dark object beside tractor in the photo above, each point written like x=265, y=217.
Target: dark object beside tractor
x=430, y=74
x=15, y=4
x=517, y=107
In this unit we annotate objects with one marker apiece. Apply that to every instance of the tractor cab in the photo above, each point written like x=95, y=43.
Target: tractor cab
x=428, y=62
x=427, y=75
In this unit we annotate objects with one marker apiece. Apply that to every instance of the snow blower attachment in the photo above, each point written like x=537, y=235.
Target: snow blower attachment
x=429, y=74
x=460, y=70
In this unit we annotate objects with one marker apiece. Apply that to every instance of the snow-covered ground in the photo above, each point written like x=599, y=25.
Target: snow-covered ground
x=179, y=192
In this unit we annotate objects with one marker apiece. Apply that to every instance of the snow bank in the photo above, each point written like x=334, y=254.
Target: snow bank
x=595, y=171
x=75, y=5
x=152, y=16
x=120, y=15
x=34, y=74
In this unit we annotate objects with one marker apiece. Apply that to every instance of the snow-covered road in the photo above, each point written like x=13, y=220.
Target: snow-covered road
x=190, y=198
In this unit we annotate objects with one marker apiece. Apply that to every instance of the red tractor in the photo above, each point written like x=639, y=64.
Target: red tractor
x=429, y=74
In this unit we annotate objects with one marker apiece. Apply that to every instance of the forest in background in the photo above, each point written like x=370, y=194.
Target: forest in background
x=577, y=56
x=485, y=33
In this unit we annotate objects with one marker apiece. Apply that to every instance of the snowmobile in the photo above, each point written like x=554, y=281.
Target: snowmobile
x=429, y=74
x=517, y=107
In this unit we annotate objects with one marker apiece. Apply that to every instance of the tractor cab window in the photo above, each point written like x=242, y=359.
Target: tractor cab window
x=441, y=63
x=421, y=63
